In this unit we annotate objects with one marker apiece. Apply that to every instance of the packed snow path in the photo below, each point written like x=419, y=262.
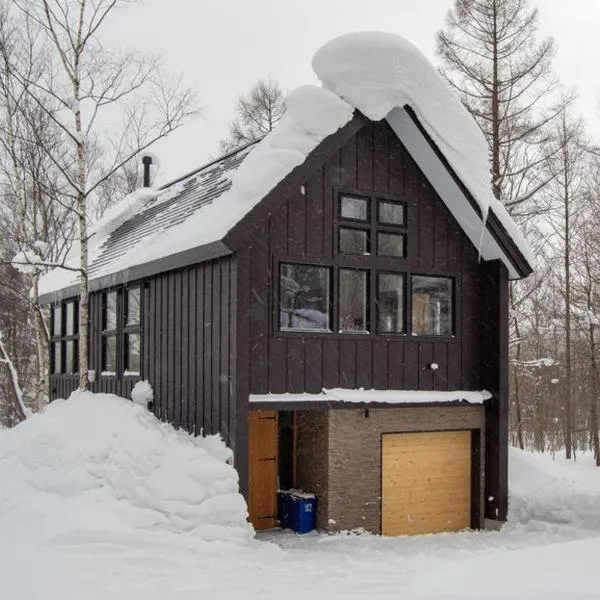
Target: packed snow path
x=100, y=501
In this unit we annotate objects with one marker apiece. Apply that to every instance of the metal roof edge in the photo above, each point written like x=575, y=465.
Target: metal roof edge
x=172, y=262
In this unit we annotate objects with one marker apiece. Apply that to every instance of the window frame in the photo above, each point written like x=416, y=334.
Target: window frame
x=130, y=329
x=121, y=332
x=374, y=264
x=277, y=303
x=61, y=339
x=452, y=299
x=109, y=334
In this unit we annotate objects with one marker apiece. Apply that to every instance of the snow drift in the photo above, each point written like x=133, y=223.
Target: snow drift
x=543, y=490
x=98, y=464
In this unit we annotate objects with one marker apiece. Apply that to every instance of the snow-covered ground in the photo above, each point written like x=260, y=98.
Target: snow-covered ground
x=98, y=500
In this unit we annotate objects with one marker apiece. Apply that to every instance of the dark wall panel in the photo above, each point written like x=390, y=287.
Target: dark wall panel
x=301, y=226
x=188, y=348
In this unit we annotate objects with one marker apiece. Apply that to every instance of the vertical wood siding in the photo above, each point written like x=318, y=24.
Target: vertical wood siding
x=300, y=228
x=188, y=344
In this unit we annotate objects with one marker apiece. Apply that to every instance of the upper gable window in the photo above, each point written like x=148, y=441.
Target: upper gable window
x=354, y=208
x=371, y=226
x=391, y=213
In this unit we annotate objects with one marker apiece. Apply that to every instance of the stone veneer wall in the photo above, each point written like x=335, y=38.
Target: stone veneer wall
x=350, y=484
x=312, y=465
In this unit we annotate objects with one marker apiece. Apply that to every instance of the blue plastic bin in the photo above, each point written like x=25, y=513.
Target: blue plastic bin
x=297, y=511
x=287, y=511
x=306, y=514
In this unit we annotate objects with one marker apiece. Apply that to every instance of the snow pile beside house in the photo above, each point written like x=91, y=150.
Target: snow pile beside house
x=553, y=491
x=101, y=465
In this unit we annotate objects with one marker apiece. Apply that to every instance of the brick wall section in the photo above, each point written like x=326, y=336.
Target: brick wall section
x=312, y=460
x=354, y=440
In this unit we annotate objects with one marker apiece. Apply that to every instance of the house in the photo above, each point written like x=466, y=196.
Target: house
x=332, y=300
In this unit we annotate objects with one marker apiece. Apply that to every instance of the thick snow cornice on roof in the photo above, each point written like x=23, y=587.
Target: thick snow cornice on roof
x=378, y=72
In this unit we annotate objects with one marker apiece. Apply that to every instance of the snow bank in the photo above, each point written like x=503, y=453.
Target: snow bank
x=377, y=72
x=98, y=464
x=555, y=492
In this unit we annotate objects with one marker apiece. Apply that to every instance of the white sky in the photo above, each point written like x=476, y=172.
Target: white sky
x=221, y=47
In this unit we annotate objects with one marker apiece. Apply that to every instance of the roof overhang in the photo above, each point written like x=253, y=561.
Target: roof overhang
x=487, y=235
x=203, y=253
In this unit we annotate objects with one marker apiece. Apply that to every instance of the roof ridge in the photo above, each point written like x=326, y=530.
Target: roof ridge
x=210, y=164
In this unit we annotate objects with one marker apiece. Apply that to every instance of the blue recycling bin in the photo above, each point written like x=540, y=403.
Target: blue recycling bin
x=297, y=511
x=286, y=509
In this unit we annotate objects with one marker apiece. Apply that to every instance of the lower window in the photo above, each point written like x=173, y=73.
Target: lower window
x=304, y=297
x=431, y=305
x=390, y=303
x=353, y=301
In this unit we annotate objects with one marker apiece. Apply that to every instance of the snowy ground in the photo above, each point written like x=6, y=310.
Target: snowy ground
x=100, y=501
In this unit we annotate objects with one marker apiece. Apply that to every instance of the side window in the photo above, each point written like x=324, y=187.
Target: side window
x=132, y=331
x=65, y=338
x=109, y=332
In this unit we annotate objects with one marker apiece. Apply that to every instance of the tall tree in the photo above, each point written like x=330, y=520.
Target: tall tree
x=84, y=88
x=492, y=56
x=565, y=168
x=257, y=112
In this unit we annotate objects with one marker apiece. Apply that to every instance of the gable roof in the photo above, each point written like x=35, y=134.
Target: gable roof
x=187, y=220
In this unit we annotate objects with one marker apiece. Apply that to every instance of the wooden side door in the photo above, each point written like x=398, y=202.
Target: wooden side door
x=262, y=468
x=425, y=482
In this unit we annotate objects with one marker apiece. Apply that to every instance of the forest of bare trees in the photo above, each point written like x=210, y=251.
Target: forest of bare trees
x=545, y=171
x=58, y=172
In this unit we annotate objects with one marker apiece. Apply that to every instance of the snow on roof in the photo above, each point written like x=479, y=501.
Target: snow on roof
x=381, y=396
x=239, y=181
x=376, y=73
x=379, y=72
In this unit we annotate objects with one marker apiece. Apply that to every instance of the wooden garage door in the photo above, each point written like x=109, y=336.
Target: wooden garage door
x=262, y=469
x=426, y=482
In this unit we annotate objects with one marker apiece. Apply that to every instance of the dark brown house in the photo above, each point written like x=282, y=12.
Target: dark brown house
x=347, y=335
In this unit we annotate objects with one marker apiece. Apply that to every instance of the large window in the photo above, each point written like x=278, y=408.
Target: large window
x=431, y=305
x=64, y=349
x=121, y=331
x=304, y=297
x=368, y=288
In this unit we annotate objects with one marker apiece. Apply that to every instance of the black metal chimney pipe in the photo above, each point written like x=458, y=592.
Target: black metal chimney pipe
x=146, y=161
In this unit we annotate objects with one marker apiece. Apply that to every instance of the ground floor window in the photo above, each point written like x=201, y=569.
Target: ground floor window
x=121, y=331
x=64, y=330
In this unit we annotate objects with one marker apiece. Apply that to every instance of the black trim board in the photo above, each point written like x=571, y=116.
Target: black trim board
x=492, y=223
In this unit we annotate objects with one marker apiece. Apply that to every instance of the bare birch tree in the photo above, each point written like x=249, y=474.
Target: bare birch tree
x=257, y=112
x=102, y=98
